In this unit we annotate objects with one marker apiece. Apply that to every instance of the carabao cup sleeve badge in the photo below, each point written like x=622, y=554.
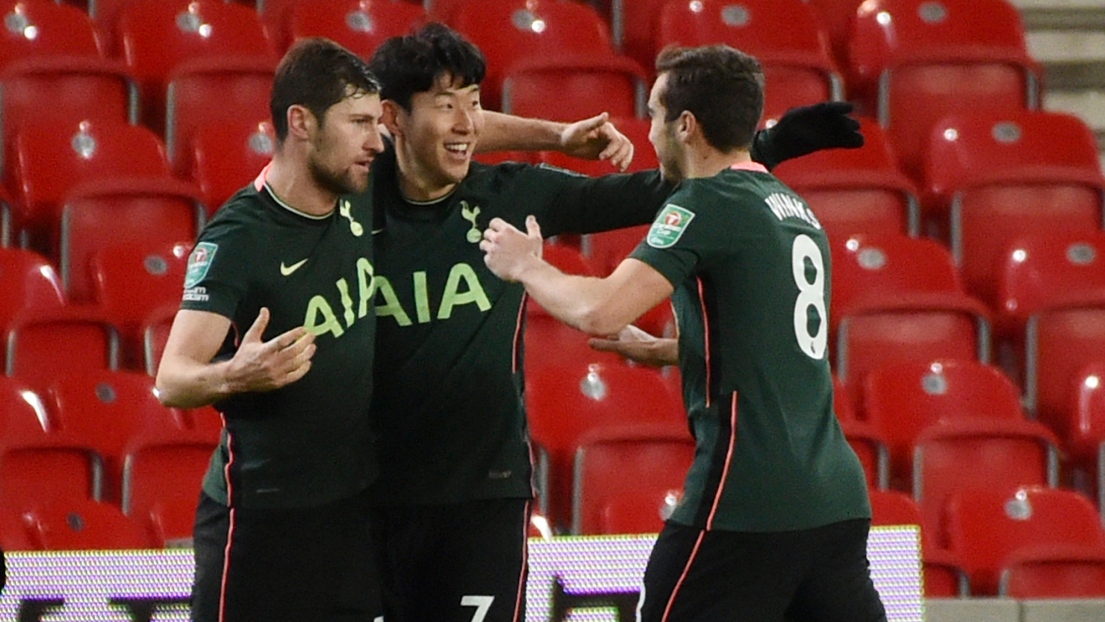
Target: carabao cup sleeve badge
x=669, y=226
x=198, y=263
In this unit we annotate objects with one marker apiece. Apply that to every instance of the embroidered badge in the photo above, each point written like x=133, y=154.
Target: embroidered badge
x=669, y=226
x=199, y=262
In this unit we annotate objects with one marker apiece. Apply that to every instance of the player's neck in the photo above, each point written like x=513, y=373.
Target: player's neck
x=708, y=162
x=293, y=184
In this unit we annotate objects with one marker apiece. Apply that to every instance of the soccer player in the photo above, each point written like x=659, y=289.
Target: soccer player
x=276, y=328
x=453, y=498
x=774, y=518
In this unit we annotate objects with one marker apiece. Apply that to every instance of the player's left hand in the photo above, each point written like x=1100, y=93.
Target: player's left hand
x=597, y=139
x=805, y=129
x=508, y=251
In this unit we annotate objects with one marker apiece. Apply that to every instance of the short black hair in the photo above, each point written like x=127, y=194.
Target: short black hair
x=317, y=73
x=722, y=87
x=412, y=63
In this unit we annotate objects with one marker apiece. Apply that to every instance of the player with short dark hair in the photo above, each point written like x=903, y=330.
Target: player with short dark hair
x=774, y=518
x=449, y=404
x=276, y=329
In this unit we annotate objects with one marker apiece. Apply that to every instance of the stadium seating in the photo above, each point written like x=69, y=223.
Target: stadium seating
x=81, y=526
x=52, y=69
x=1082, y=429
x=43, y=347
x=566, y=402
x=155, y=333
x=165, y=40
x=897, y=299
x=510, y=31
x=1052, y=302
x=53, y=160
x=991, y=177
x=1054, y=572
x=836, y=17
x=856, y=191
x=359, y=25
x=783, y=35
x=132, y=280
x=562, y=87
x=30, y=286
x=915, y=61
x=228, y=155
x=947, y=459
x=904, y=399
x=985, y=527
x=629, y=480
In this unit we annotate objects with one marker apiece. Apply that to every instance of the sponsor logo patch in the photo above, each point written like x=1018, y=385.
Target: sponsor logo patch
x=199, y=262
x=669, y=226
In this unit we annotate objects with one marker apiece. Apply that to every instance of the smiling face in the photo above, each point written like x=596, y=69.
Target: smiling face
x=436, y=138
x=345, y=142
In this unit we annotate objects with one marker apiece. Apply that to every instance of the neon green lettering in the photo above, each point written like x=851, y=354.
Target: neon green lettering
x=391, y=305
x=453, y=297
x=320, y=318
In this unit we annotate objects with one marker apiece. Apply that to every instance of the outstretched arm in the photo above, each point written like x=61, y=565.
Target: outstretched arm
x=640, y=347
x=590, y=139
x=599, y=306
x=806, y=129
x=186, y=377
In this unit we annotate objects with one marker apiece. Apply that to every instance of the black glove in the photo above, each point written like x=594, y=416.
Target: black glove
x=807, y=129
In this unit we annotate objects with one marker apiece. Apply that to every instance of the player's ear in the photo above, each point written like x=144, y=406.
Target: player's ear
x=301, y=122
x=393, y=117
x=685, y=126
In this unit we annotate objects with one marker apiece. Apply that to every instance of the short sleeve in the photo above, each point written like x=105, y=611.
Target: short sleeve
x=217, y=275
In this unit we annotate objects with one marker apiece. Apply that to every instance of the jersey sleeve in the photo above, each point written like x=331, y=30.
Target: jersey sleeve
x=218, y=269
x=581, y=204
x=685, y=234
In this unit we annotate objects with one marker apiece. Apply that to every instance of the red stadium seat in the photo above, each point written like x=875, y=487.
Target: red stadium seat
x=904, y=399
x=159, y=38
x=1052, y=296
x=132, y=280
x=1070, y=571
x=52, y=69
x=837, y=17
x=509, y=31
x=915, y=61
x=38, y=464
x=155, y=333
x=943, y=576
x=856, y=191
x=629, y=481
x=41, y=348
x=52, y=161
x=635, y=25
x=1083, y=428
x=947, y=459
x=784, y=35
x=120, y=211
x=993, y=177
x=986, y=527
x=82, y=526
x=870, y=448
x=30, y=286
x=359, y=25
x=562, y=87
x=898, y=299
x=566, y=402
x=228, y=155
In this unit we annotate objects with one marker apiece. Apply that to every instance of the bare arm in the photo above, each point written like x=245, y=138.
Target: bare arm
x=639, y=346
x=590, y=139
x=599, y=306
x=186, y=377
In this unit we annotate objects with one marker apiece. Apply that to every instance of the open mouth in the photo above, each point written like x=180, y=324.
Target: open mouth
x=459, y=150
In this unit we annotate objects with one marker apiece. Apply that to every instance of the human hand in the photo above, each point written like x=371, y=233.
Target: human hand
x=597, y=139
x=639, y=346
x=806, y=129
x=267, y=365
x=508, y=251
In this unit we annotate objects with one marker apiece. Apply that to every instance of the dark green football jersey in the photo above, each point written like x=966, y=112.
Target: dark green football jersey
x=449, y=397
x=751, y=270
x=309, y=442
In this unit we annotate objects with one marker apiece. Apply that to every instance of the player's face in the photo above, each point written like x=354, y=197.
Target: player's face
x=669, y=151
x=345, y=143
x=439, y=136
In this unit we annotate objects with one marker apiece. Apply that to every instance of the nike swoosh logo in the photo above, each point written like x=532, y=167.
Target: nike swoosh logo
x=288, y=270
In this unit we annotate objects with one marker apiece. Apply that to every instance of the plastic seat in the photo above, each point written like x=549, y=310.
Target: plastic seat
x=227, y=155
x=1052, y=297
x=943, y=576
x=82, y=526
x=41, y=348
x=784, y=35
x=904, y=399
x=629, y=481
x=121, y=211
x=52, y=69
x=510, y=31
x=1082, y=430
x=986, y=527
x=836, y=17
x=359, y=25
x=37, y=464
x=566, y=402
x=994, y=176
x=856, y=191
x=976, y=455
x=30, y=286
x=1054, y=572
x=898, y=299
x=53, y=160
x=634, y=27
x=916, y=61
x=161, y=37
x=155, y=333
x=132, y=280
x=562, y=87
